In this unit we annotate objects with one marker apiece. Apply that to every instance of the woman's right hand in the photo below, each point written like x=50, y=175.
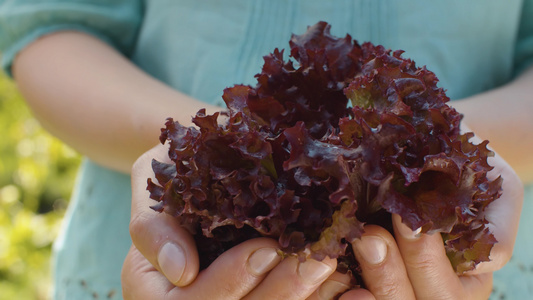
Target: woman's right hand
x=163, y=261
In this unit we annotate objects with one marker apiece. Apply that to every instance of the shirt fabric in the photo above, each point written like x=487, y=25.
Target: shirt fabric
x=201, y=47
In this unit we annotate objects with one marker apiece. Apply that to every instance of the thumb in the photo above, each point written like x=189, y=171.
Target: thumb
x=157, y=236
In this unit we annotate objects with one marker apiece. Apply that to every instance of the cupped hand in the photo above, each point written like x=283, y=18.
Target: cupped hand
x=415, y=266
x=412, y=267
x=163, y=261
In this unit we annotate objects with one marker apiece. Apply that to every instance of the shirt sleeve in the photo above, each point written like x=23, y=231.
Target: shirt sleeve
x=116, y=22
x=524, y=42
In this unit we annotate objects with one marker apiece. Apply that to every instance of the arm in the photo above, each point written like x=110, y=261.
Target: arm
x=94, y=99
x=91, y=97
x=503, y=116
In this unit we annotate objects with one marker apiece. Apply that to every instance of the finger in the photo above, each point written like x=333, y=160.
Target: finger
x=335, y=285
x=234, y=273
x=477, y=286
x=503, y=215
x=168, y=246
x=292, y=279
x=140, y=280
x=381, y=263
x=357, y=294
x=429, y=269
x=231, y=276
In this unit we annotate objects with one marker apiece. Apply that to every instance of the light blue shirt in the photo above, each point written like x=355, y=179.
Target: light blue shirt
x=203, y=46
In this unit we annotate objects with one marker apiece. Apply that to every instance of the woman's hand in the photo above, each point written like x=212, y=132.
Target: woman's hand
x=415, y=266
x=163, y=261
x=412, y=267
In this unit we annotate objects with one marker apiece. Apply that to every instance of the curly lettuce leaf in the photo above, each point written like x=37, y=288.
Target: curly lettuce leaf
x=291, y=160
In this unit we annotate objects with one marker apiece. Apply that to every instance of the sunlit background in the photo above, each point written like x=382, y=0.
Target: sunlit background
x=37, y=173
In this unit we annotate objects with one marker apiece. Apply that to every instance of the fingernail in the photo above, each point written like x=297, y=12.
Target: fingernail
x=407, y=233
x=404, y=230
x=331, y=288
x=373, y=249
x=171, y=259
x=263, y=260
x=312, y=271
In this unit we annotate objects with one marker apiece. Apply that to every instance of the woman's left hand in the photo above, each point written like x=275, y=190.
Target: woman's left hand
x=412, y=266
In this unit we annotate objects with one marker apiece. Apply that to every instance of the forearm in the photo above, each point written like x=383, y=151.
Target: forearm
x=504, y=117
x=95, y=100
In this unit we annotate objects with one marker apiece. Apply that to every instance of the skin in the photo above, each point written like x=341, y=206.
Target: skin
x=110, y=111
x=503, y=116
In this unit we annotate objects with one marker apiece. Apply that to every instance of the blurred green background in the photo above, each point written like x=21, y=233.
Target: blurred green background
x=37, y=173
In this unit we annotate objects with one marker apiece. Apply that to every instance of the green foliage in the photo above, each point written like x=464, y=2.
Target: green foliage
x=37, y=173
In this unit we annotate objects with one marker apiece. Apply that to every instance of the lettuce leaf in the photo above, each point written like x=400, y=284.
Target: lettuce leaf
x=292, y=160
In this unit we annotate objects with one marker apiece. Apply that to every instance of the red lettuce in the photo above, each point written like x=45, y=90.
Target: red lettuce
x=292, y=160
